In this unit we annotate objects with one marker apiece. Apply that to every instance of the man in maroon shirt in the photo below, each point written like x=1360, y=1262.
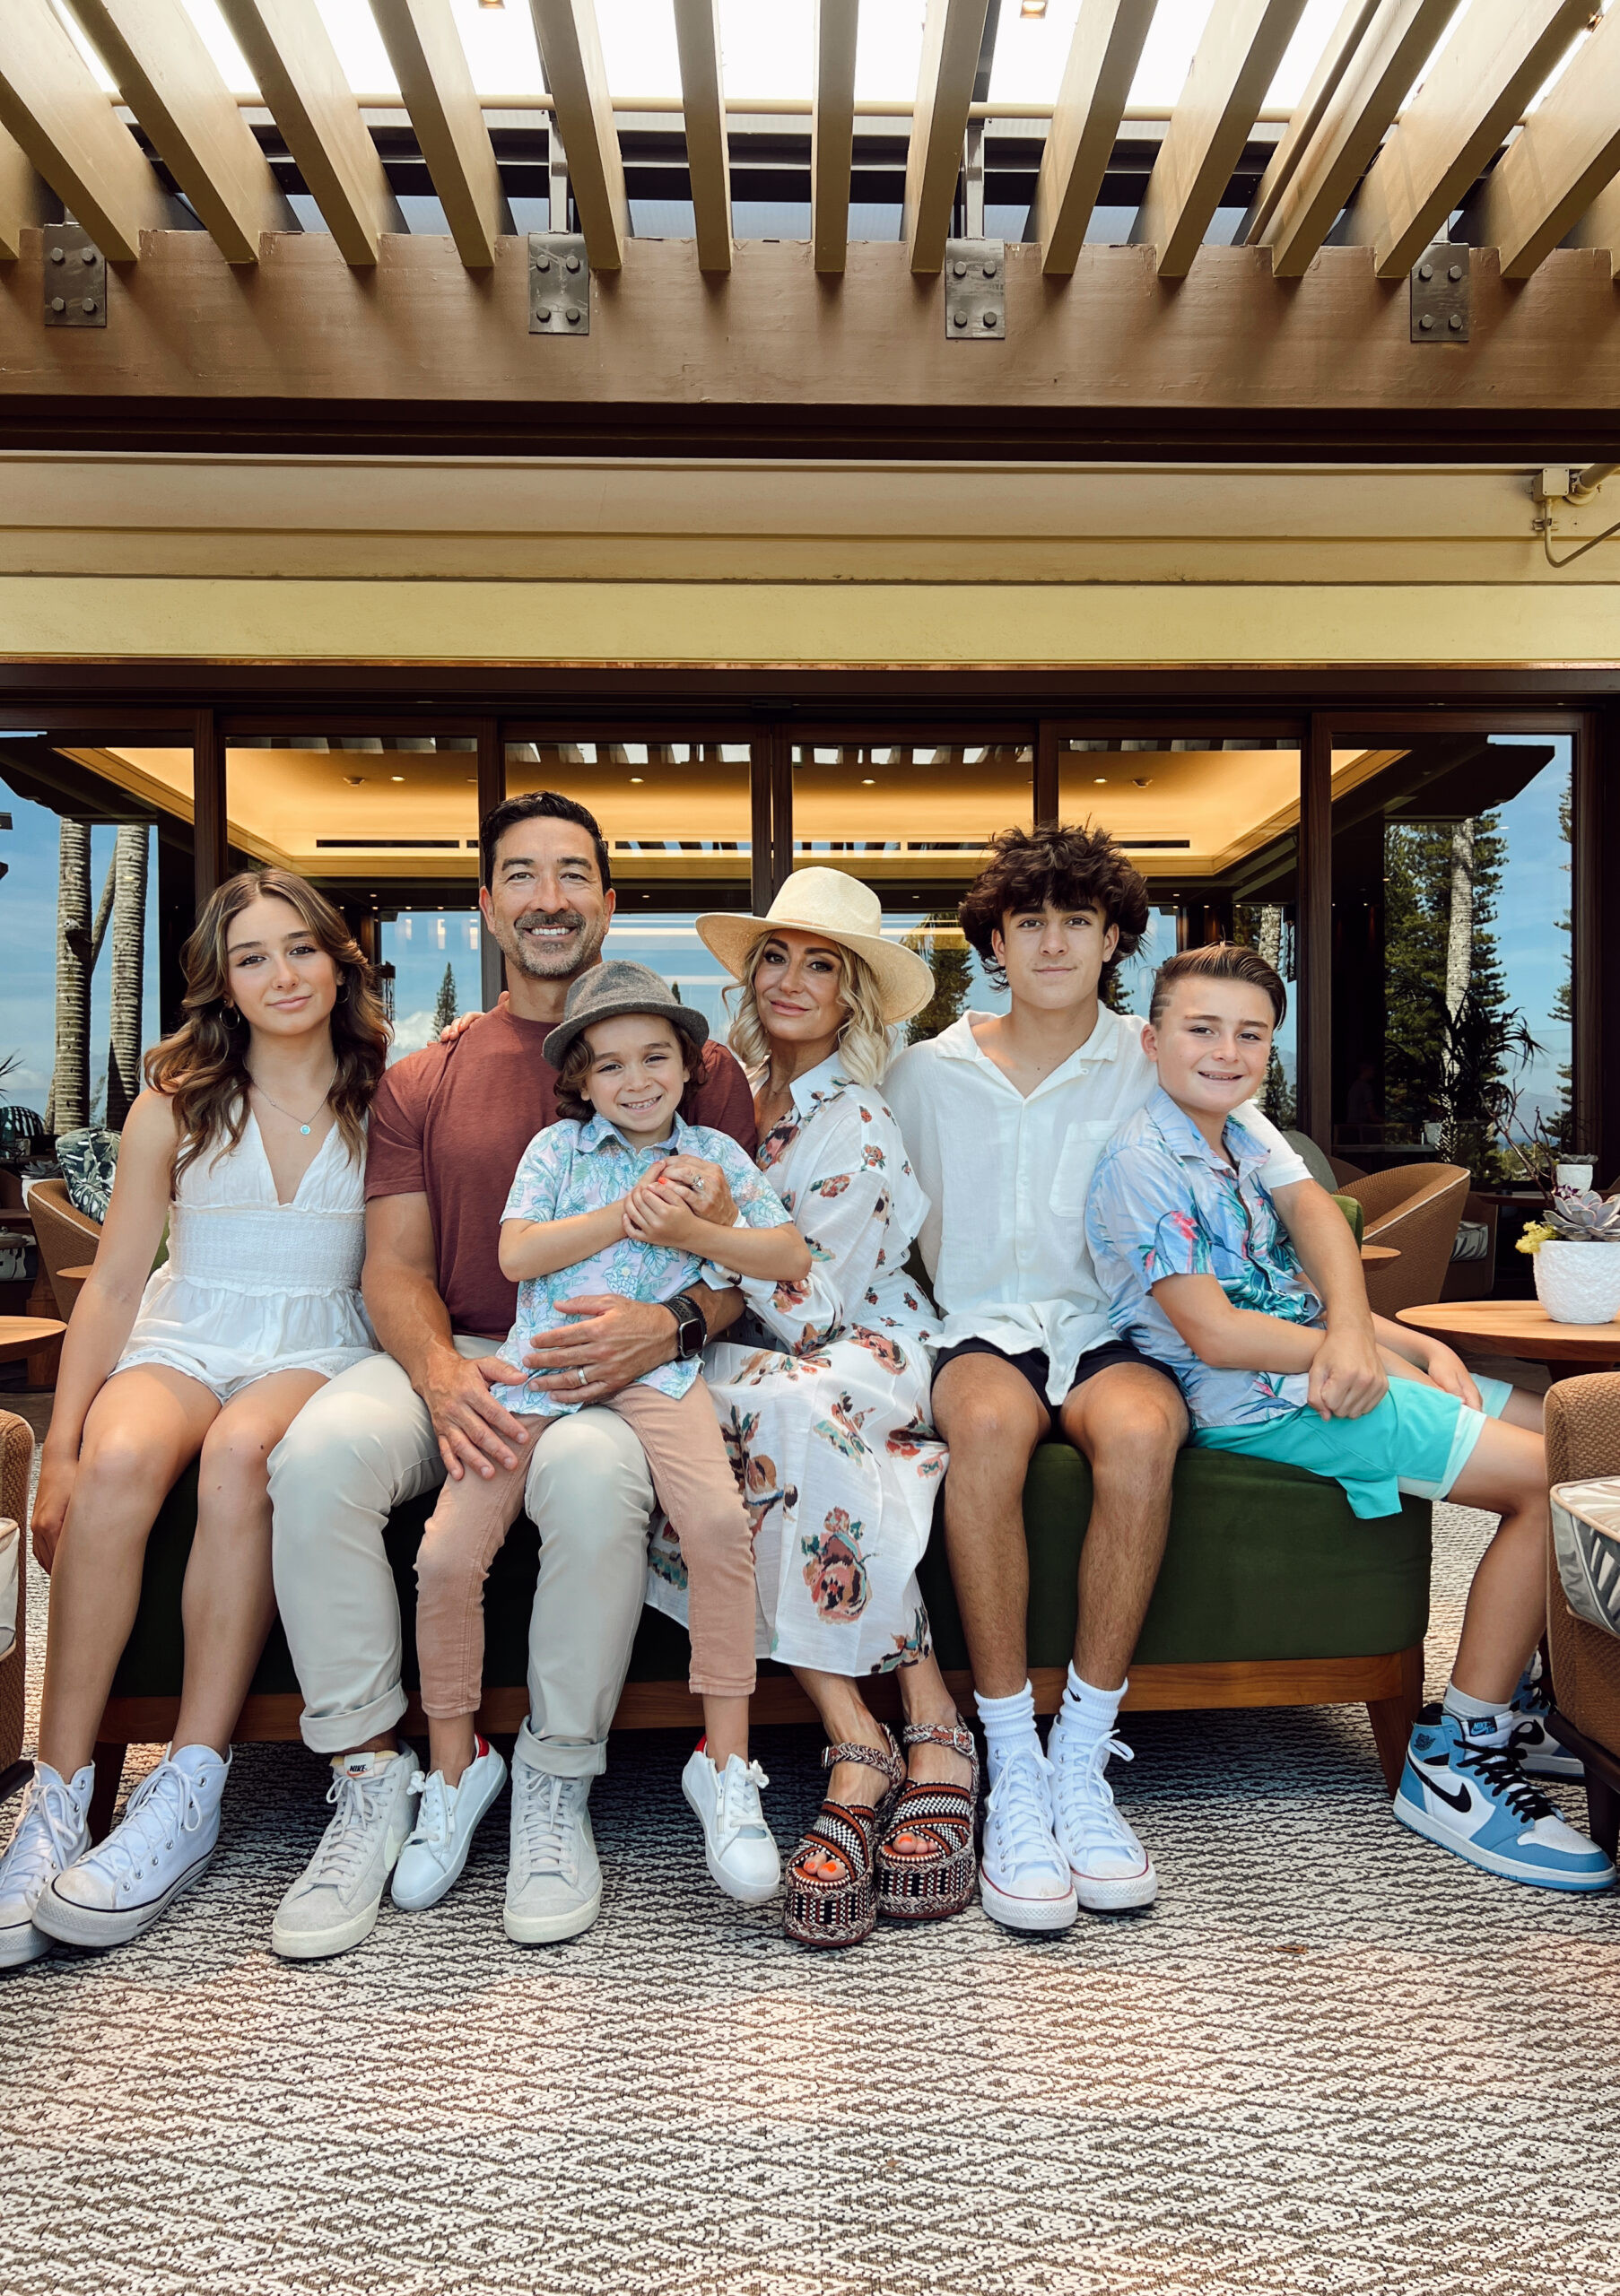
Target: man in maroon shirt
x=448, y=1127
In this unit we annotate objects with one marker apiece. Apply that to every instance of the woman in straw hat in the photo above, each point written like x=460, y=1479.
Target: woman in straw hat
x=822, y=1391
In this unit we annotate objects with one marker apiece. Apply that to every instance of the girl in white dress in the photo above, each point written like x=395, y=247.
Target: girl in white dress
x=250, y=1140
x=823, y=1395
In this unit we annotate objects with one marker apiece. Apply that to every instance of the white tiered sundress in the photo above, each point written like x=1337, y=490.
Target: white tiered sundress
x=252, y=1286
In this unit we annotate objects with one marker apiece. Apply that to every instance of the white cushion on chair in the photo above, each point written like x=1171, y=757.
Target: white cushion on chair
x=1586, y=1544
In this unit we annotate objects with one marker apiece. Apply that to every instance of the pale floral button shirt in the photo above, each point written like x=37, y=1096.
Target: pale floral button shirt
x=1164, y=1202
x=572, y=1168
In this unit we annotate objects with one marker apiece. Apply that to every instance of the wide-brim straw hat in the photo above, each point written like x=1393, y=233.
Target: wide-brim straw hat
x=616, y=987
x=835, y=907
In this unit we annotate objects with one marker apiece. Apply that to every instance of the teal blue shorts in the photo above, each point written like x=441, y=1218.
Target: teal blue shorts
x=1418, y=1440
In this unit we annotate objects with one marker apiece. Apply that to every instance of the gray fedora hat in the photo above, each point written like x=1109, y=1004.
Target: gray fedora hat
x=615, y=986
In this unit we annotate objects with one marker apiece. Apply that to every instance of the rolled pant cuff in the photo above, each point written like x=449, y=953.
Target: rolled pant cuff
x=723, y=1690
x=562, y=1757
x=340, y=1733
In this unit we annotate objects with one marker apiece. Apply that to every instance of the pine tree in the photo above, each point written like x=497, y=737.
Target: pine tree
x=1560, y=1124
x=444, y=1008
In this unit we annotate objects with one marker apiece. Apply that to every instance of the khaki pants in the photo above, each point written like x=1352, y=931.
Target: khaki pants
x=362, y=1444
x=687, y=1454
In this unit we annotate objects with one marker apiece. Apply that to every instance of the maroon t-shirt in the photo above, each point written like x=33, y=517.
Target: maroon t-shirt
x=452, y=1122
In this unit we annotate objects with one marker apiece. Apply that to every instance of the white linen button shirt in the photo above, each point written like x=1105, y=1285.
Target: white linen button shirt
x=1007, y=1178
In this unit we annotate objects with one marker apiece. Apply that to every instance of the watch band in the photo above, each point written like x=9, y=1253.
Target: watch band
x=692, y=1328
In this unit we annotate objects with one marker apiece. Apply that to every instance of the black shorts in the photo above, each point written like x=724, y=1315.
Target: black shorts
x=1036, y=1366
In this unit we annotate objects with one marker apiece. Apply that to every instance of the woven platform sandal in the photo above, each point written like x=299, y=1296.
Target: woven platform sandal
x=933, y=1878
x=842, y=1910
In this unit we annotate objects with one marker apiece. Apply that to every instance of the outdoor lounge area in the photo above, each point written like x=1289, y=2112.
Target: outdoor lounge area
x=854, y=764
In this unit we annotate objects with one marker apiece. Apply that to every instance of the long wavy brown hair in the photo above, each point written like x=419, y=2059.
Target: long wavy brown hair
x=202, y=1066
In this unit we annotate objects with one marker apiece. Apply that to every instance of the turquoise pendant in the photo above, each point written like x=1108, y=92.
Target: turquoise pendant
x=305, y=1130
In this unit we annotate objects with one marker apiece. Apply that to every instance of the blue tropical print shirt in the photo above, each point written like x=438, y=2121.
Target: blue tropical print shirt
x=570, y=1167
x=1164, y=1202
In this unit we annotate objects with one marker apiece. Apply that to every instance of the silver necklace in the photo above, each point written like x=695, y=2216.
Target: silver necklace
x=314, y=1112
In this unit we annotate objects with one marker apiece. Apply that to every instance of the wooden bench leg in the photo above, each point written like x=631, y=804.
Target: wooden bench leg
x=109, y=1759
x=1393, y=1717
x=1602, y=1812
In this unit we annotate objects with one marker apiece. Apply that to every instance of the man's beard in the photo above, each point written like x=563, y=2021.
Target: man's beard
x=553, y=959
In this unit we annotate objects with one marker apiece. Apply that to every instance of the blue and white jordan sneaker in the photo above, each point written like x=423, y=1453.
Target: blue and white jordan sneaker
x=1539, y=1754
x=1471, y=1797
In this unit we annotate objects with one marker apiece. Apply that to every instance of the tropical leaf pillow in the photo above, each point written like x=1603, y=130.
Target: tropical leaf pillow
x=89, y=1159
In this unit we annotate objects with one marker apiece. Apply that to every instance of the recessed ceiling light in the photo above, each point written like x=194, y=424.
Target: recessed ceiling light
x=636, y=779
x=355, y=780
x=1144, y=781
x=397, y=776
x=1102, y=779
x=1032, y=8
x=868, y=783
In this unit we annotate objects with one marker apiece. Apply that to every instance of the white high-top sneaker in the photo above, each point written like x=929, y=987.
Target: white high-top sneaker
x=1025, y=1882
x=162, y=1845
x=333, y=1904
x=447, y=1818
x=553, y=1885
x=739, y=1845
x=1111, y=1870
x=51, y=1831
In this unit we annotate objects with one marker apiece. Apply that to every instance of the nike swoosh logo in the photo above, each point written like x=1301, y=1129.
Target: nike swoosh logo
x=1462, y=1801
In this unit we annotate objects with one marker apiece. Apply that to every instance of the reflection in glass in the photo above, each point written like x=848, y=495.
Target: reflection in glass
x=670, y=810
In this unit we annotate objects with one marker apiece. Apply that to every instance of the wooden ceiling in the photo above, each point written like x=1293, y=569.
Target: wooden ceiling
x=1362, y=157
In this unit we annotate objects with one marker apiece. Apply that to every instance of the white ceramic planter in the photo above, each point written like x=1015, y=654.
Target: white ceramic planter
x=1579, y=1283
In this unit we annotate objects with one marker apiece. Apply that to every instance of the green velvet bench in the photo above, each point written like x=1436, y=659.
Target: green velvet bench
x=1272, y=1594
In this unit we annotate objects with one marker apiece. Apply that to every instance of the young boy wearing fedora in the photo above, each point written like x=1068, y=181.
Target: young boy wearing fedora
x=588, y=1212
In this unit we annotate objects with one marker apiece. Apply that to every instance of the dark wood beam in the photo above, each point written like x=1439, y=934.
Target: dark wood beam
x=419, y=355
x=1313, y=930
x=491, y=790
x=210, y=864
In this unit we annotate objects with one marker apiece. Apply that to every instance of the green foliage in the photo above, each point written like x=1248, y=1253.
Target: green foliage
x=444, y=1004
x=1278, y=1098
x=940, y=940
x=1560, y=1124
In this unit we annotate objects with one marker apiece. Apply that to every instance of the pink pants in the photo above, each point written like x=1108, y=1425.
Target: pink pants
x=692, y=1475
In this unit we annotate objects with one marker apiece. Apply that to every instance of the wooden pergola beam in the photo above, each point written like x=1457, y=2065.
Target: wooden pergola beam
x=953, y=35
x=1235, y=63
x=1599, y=227
x=1566, y=152
x=570, y=50
x=65, y=121
x=291, y=55
x=703, y=108
x=1317, y=176
x=175, y=88
x=1103, y=59
x=1477, y=87
x=833, y=132
x=430, y=66
x=25, y=197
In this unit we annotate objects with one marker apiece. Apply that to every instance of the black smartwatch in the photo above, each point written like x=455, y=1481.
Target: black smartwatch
x=691, y=1329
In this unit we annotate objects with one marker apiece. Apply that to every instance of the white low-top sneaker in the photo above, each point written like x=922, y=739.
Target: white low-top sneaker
x=553, y=1883
x=333, y=1904
x=160, y=1847
x=1024, y=1877
x=739, y=1848
x=51, y=1831
x=447, y=1819
x=1110, y=1868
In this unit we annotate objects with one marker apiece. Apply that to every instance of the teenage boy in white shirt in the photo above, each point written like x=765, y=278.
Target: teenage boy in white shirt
x=1004, y=1118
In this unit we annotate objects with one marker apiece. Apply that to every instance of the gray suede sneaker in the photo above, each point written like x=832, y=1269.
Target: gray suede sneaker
x=554, y=1885
x=333, y=1904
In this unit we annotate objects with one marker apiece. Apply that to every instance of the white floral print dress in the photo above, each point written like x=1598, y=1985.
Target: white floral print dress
x=823, y=1396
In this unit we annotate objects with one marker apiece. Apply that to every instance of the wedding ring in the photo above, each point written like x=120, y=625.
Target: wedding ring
x=582, y=1375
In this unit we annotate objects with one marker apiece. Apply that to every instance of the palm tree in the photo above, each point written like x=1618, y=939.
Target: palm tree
x=127, y=881
x=68, y=1108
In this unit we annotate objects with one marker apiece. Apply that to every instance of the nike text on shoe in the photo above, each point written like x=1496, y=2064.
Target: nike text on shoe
x=1111, y=1870
x=447, y=1818
x=162, y=1845
x=553, y=1885
x=739, y=1848
x=1540, y=1754
x=51, y=1832
x=1024, y=1877
x=1473, y=1799
x=333, y=1904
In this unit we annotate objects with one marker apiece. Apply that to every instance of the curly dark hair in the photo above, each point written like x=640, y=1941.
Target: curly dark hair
x=1072, y=867
x=576, y=1067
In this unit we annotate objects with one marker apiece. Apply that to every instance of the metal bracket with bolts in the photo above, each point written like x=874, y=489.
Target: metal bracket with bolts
x=975, y=284
x=559, y=283
x=1441, y=297
x=76, y=277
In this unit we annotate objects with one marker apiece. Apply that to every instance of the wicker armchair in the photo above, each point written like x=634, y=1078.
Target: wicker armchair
x=66, y=1238
x=16, y=1457
x=1584, y=1441
x=1418, y=1208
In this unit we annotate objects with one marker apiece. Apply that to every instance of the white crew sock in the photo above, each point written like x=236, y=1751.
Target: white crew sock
x=1467, y=1709
x=1087, y=1716
x=1009, y=1728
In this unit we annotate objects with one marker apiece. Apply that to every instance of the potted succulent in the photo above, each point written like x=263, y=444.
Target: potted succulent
x=1576, y=1245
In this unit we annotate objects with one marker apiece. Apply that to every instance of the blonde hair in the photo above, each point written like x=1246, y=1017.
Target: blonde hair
x=865, y=1042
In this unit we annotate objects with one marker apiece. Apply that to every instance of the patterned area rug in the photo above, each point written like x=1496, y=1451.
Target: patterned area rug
x=1330, y=2059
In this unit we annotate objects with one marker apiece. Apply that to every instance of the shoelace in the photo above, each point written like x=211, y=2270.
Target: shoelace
x=162, y=1807
x=1085, y=1798
x=735, y=1812
x=545, y=1826
x=343, y=1849
x=432, y=1827
x=1018, y=1806
x=47, y=1831
x=1497, y=1769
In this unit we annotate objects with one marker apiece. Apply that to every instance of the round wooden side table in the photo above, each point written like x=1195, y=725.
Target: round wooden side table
x=1521, y=1328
